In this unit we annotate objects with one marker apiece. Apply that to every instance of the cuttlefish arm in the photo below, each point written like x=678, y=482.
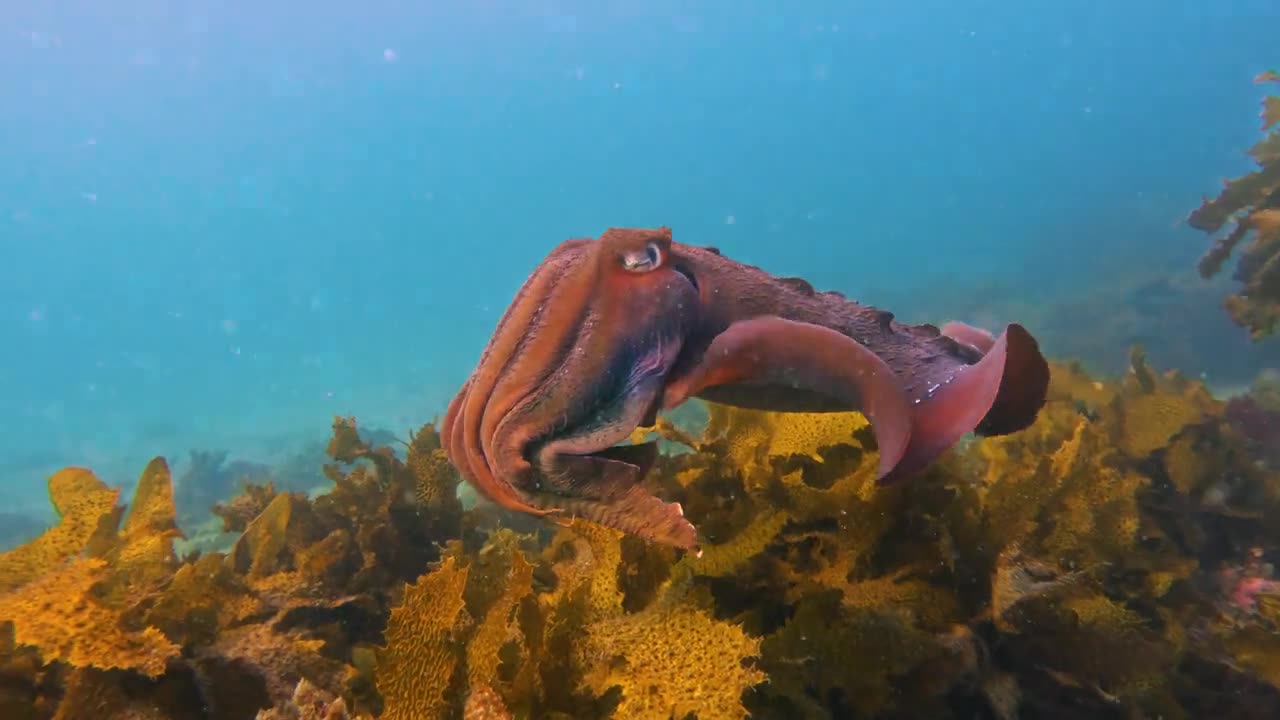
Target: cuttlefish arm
x=578, y=361
x=770, y=351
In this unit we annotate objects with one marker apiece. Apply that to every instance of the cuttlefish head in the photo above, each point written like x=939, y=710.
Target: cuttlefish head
x=577, y=362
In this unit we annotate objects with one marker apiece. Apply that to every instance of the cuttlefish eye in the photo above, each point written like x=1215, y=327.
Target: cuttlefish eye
x=643, y=260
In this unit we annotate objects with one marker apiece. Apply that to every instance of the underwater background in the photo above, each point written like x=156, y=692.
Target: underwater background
x=224, y=224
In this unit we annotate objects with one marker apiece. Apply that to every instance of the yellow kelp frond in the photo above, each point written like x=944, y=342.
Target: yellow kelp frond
x=417, y=664
x=86, y=506
x=436, y=480
x=498, y=626
x=61, y=615
x=142, y=555
x=670, y=661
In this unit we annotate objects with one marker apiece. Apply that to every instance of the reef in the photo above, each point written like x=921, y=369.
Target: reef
x=1112, y=561
x=1251, y=205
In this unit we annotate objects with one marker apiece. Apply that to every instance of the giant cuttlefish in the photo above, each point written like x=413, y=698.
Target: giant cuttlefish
x=607, y=332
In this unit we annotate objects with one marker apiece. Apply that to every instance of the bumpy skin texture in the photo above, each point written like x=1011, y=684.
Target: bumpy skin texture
x=606, y=332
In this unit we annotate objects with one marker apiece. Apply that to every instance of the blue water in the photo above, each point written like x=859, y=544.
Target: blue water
x=223, y=223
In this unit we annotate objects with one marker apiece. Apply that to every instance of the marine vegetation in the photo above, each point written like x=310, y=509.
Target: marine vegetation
x=605, y=332
x=1252, y=205
x=1113, y=560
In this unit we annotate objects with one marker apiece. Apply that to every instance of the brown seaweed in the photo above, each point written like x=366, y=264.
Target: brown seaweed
x=1251, y=204
x=1110, y=561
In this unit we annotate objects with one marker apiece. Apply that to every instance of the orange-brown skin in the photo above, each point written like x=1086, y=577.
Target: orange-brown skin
x=606, y=332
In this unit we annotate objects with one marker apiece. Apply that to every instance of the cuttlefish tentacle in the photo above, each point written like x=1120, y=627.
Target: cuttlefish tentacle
x=607, y=331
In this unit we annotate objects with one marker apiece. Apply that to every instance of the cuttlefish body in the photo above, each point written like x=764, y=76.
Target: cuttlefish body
x=607, y=332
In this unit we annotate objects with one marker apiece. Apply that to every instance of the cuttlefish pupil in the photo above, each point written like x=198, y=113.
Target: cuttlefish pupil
x=643, y=260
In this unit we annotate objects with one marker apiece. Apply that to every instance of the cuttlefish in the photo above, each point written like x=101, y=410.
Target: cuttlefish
x=607, y=332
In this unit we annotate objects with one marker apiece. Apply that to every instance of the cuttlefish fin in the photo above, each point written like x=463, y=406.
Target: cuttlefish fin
x=773, y=355
x=1024, y=385
x=998, y=395
x=974, y=337
x=605, y=487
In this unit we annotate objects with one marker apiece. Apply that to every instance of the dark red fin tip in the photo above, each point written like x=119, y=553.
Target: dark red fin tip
x=1024, y=386
x=1000, y=394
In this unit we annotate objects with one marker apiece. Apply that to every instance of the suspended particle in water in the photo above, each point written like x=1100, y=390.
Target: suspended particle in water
x=389, y=55
x=43, y=40
x=730, y=220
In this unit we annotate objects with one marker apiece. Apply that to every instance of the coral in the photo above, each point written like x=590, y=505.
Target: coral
x=1252, y=202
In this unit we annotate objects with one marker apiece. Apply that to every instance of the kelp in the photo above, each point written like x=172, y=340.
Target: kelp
x=1251, y=204
x=102, y=612
x=1113, y=560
